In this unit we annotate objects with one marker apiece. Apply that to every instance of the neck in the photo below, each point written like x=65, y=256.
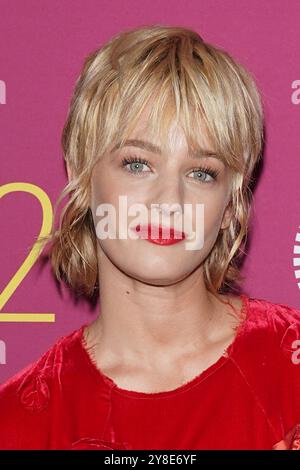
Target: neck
x=143, y=322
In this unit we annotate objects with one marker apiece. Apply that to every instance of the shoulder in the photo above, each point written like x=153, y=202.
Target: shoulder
x=271, y=332
x=270, y=352
x=30, y=387
x=26, y=398
x=268, y=345
x=267, y=360
x=280, y=322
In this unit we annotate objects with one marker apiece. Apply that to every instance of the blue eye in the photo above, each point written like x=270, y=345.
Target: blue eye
x=136, y=164
x=206, y=171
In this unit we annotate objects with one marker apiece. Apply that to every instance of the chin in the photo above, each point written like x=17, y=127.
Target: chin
x=158, y=277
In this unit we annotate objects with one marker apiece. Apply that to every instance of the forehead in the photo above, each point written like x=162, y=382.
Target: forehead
x=143, y=137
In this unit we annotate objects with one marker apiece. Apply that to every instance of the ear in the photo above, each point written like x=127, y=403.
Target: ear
x=227, y=216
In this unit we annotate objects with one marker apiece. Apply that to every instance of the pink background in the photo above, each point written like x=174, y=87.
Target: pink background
x=43, y=45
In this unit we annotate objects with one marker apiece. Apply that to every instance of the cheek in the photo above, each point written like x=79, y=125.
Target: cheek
x=104, y=188
x=213, y=210
x=213, y=213
x=108, y=184
x=212, y=198
x=108, y=191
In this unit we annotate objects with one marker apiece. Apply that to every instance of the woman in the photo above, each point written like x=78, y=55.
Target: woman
x=172, y=126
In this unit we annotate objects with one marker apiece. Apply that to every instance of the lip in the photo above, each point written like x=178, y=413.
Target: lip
x=160, y=241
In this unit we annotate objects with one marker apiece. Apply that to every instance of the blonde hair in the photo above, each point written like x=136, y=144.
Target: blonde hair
x=186, y=78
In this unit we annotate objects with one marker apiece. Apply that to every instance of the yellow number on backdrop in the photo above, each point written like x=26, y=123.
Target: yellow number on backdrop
x=32, y=256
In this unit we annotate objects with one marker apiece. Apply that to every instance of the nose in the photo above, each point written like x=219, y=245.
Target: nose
x=168, y=196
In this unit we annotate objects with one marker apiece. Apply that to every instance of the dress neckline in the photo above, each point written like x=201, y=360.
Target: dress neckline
x=223, y=359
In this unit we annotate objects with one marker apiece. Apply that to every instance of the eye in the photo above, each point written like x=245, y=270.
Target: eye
x=135, y=164
x=201, y=174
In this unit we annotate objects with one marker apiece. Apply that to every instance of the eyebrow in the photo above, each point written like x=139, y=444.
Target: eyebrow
x=150, y=147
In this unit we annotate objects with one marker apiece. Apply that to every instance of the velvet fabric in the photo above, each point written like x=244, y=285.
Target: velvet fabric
x=248, y=399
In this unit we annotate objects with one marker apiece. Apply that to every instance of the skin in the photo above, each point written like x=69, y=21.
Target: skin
x=159, y=327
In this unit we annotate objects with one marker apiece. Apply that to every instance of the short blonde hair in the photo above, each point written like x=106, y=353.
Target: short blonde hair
x=189, y=79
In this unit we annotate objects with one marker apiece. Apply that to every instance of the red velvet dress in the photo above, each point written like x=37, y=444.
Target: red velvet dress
x=248, y=399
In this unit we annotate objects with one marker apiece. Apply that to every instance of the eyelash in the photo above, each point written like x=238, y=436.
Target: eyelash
x=127, y=160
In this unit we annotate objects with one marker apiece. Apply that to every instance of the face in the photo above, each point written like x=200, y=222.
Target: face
x=148, y=177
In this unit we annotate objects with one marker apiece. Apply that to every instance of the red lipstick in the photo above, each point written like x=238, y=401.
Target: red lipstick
x=146, y=231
